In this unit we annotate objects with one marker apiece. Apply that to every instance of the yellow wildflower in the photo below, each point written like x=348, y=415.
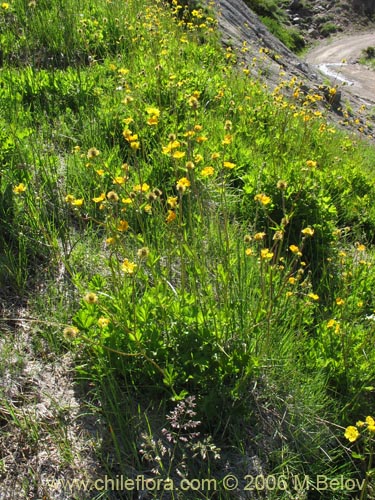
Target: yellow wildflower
x=228, y=138
x=141, y=188
x=128, y=267
x=262, y=198
x=99, y=199
x=182, y=184
x=171, y=216
x=103, y=322
x=123, y=225
x=294, y=249
x=340, y=301
x=177, y=155
x=370, y=420
x=308, y=231
x=207, y=172
x=77, y=203
x=266, y=254
x=21, y=188
x=313, y=296
x=249, y=251
x=119, y=180
x=229, y=164
x=172, y=201
x=259, y=236
x=351, y=433
x=292, y=280
x=311, y=163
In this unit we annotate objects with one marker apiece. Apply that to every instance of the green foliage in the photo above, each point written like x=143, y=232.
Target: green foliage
x=328, y=28
x=208, y=236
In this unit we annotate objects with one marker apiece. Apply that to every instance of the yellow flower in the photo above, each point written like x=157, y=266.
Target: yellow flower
x=110, y=241
x=172, y=201
x=99, y=199
x=229, y=164
x=153, y=120
x=69, y=198
x=207, y=172
x=171, y=216
x=135, y=145
x=340, y=301
x=100, y=172
x=370, y=420
x=201, y=138
x=259, y=236
x=198, y=158
x=311, y=163
x=262, y=198
x=249, y=251
x=91, y=298
x=351, y=433
x=215, y=156
x=21, y=188
x=266, y=254
x=152, y=111
x=313, y=296
x=128, y=267
x=177, y=155
x=103, y=322
x=360, y=423
x=361, y=247
x=182, y=184
x=294, y=249
x=141, y=188
x=127, y=201
x=92, y=153
x=148, y=209
x=228, y=138
x=77, y=203
x=308, y=231
x=292, y=280
x=119, y=180
x=123, y=226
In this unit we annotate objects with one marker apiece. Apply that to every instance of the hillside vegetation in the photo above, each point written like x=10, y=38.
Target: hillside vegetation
x=200, y=246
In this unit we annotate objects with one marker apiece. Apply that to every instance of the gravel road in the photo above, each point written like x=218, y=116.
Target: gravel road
x=337, y=59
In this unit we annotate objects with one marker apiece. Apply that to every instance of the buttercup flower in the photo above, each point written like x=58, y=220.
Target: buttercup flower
x=207, y=171
x=182, y=184
x=21, y=188
x=103, y=322
x=351, y=433
x=262, y=198
x=128, y=267
x=171, y=216
x=308, y=231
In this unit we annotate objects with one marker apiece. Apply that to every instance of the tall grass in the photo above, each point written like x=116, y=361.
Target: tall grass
x=212, y=239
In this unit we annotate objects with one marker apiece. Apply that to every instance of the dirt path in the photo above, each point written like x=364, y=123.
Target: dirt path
x=337, y=59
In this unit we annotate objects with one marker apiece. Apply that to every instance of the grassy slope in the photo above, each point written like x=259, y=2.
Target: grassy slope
x=212, y=240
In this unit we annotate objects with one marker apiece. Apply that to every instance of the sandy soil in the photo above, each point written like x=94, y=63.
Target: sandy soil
x=338, y=57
